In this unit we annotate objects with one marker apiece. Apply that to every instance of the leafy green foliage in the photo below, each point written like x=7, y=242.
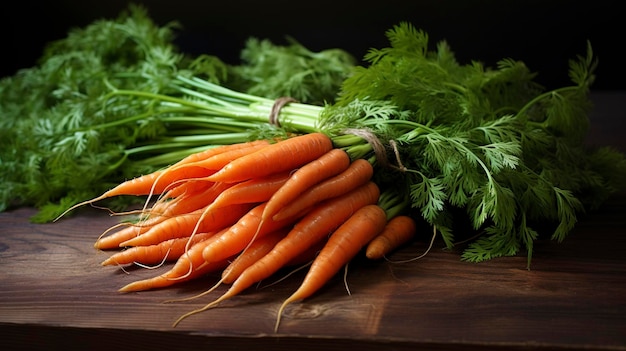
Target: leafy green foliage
x=486, y=143
x=108, y=103
x=272, y=71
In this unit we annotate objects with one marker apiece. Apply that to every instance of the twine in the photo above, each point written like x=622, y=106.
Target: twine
x=278, y=105
x=379, y=148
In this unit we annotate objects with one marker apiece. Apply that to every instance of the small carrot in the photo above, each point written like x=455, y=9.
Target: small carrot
x=185, y=203
x=255, y=251
x=342, y=246
x=168, y=250
x=241, y=234
x=252, y=190
x=187, y=224
x=210, y=152
x=185, y=186
x=112, y=241
x=189, y=266
x=282, y=156
x=398, y=231
x=217, y=162
x=309, y=230
x=358, y=173
x=328, y=165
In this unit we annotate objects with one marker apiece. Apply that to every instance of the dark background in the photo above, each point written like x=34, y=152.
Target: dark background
x=543, y=34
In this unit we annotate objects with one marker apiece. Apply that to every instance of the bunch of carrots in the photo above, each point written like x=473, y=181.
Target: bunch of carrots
x=253, y=208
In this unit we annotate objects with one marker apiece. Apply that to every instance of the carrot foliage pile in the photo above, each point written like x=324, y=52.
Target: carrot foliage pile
x=233, y=164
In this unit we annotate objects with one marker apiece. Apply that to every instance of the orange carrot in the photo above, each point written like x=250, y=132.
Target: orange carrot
x=398, y=231
x=185, y=203
x=255, y=251
x=312, y=228
x=203, y=155
x=342, y=246
x=330, y=164
x=184, y=187
x=217, y=162
x=279, y=157
x=168, y=250
x=187, y=224
x=189, y=266
x=241, y=234
x=147, y=184
x=358, y=173
x=112, y=241
x=253, y=190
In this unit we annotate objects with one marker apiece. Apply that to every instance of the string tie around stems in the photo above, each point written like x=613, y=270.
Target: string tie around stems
x=279, y=103
x=379, y=148
x=375, y=143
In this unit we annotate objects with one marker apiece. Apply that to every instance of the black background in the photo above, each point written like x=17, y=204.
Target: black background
x=543, y=34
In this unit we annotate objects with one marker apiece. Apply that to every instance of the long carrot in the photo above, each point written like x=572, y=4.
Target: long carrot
x=312, y=228
x=149, y=184
x=398, y=231
x=279, y=157
x=168, y=250
x=358, y=173
x=242, y=233
x=188, y=224
x=343, y=244
x=330, y=164
x=158, y=181
x=189, y=266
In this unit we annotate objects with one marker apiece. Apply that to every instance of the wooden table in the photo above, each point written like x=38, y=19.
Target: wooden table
x=55, y=295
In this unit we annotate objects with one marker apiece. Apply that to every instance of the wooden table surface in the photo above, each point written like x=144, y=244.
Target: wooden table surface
x=55, y=295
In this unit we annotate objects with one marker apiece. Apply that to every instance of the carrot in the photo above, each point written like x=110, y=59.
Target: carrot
x=217, y=162
x=309, y=230
x=252, y=190
x=358, y=173
x=185, y=203
x=167, y=250
x=113, y=241
x=241, y=234
x=189, y=266
x=398, y=231
x=282, y=156
x=342, y=246
x=210, y=165
x=330, y=164
x=184, y=188
x=187, y=224
x=203, y=155
x=256, y=250
x=146, y=184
